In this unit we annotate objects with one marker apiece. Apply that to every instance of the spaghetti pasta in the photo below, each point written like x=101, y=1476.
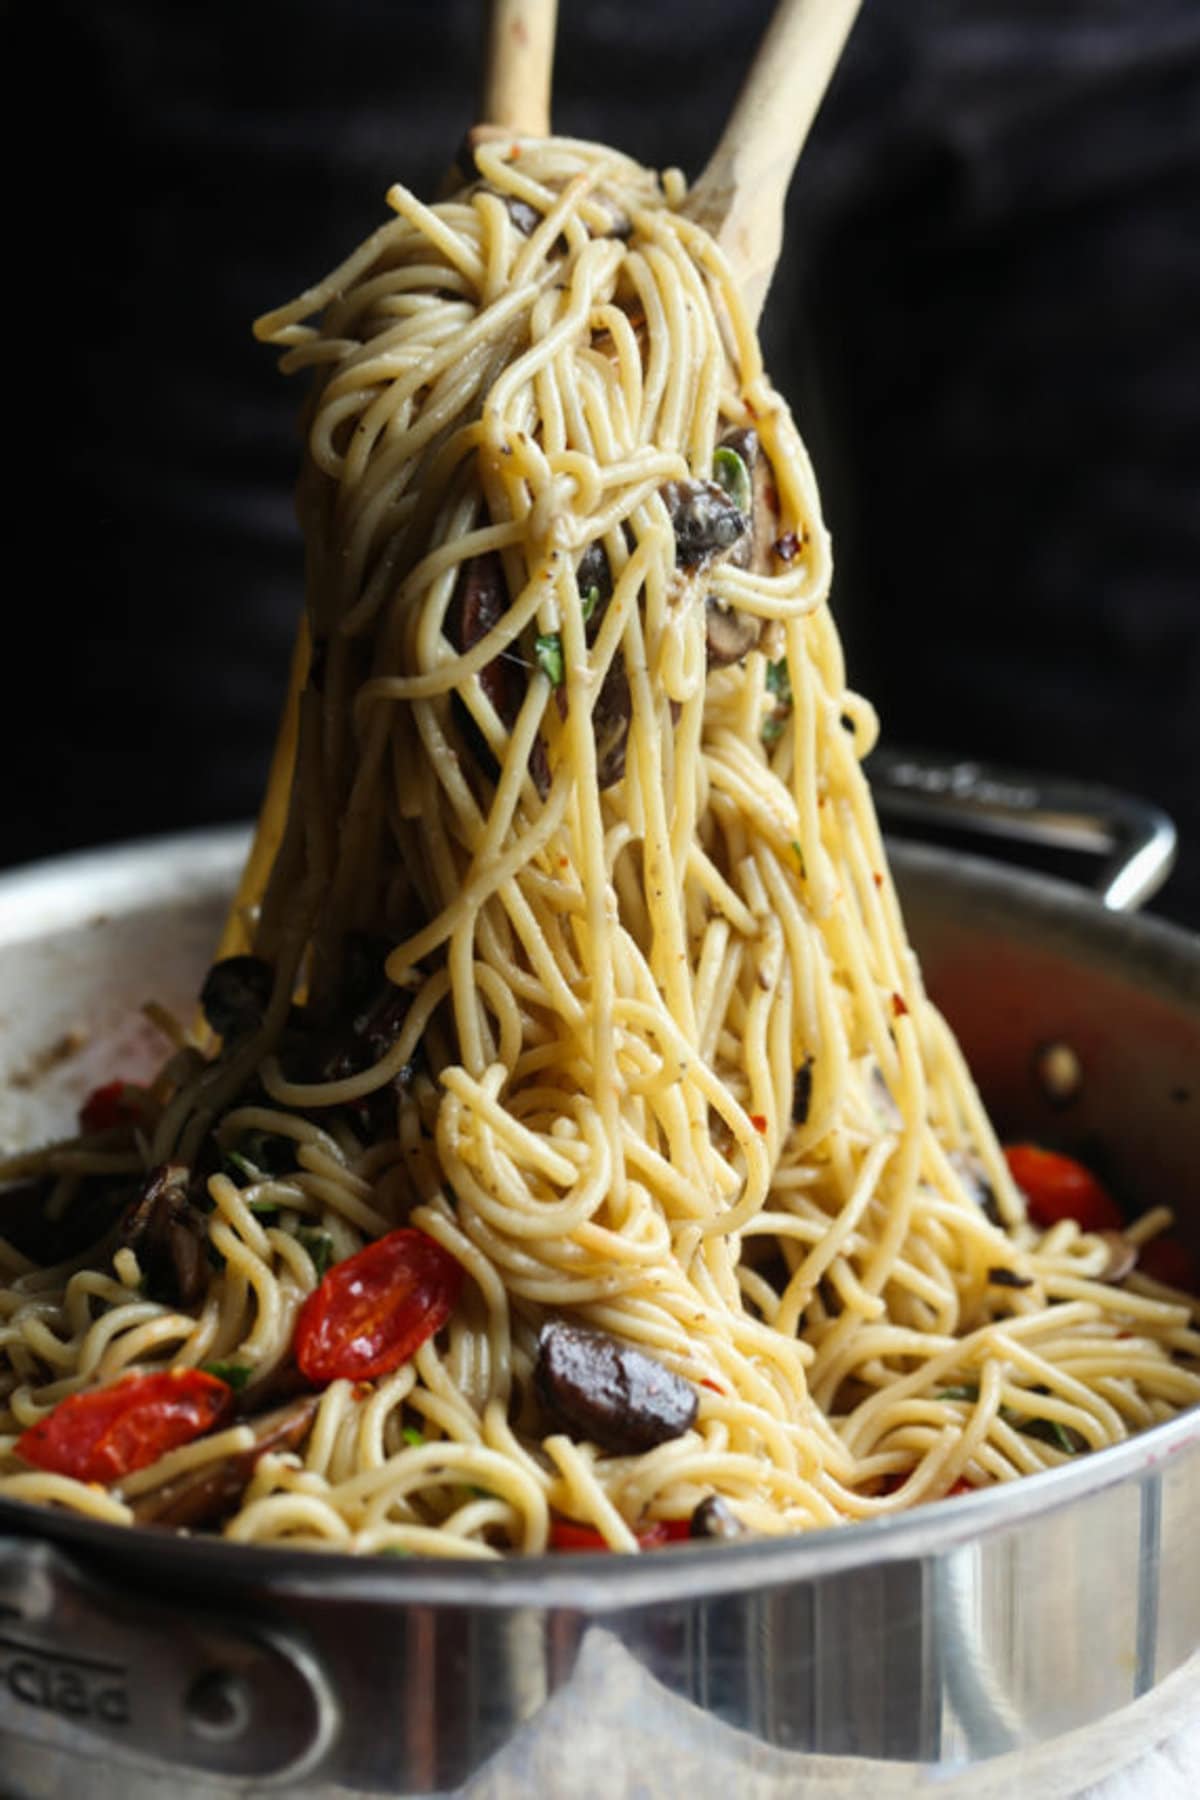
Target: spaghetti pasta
x=641, y=1045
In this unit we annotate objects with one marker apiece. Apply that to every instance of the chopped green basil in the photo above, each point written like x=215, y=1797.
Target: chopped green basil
x=234, y=1375
x=411, y=1435
x=779, y=682
x=237, y=1164
x=549, y=652
x=319, y=1245
x=796, y=846
x=731, y=473
x=1052, y=1431
x=772, y=729
x=591, y=601
x=264, y=1209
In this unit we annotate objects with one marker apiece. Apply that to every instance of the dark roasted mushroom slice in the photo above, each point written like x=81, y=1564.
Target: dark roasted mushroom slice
x=169, y=1236
x=729, y=634
x=1000, y=1276
x=209, y=1494
x=236, y=994
x=715, y=1518
x=802, y=1092
x=1122, y=1256
x=974, y=1178
x=608, y=1392
x=706, y=520
x=479, y=603
x=593, y=576
x=610, y=723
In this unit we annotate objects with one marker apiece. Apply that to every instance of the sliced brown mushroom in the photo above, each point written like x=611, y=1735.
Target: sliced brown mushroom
x=1122, y=1256
x=169, y=1236
x=802, y=1092
x=479, y=603
x=609, y=1392
x=715, y=1518
x=610, y=722
x=705, y=519
x=973, y=1176
x=206, y=1496
x=729, y=634
x=236, y=994
x=1000, y=1276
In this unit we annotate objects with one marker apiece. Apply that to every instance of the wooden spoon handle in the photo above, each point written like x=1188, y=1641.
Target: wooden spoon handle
x=518, y=63
x=740, y=196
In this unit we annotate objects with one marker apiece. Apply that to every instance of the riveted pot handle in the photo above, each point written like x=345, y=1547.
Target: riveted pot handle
x=1136, y=840
x=89, y=1668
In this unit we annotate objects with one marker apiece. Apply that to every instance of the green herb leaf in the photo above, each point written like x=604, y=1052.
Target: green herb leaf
x=731, y=473
x=549, y=652
x=392, y=1550
x=237, y=1164
x=319, y=1245
x=779, y=682
x=264, y=1209
x=1052, y=1431
x=591, y=601
x=796, y=846
x=965, y=1392
x=234, y=1375
x=411, y=1435
x=772, y=729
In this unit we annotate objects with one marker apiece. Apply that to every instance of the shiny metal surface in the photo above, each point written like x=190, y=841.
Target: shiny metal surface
x=977, y=1641
x=1136, y=841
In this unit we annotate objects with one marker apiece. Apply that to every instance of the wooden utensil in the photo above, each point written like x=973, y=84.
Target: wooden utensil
x=740, y=197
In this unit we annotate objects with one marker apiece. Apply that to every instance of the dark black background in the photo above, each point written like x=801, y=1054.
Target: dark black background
x=988, y=320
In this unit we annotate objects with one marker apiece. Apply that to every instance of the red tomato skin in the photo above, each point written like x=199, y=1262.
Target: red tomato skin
x=117, y=1430
x=106, y=1107
x=375, y=1310
x=1168, y=1259
x=569, y=1534
x=1057, y=1187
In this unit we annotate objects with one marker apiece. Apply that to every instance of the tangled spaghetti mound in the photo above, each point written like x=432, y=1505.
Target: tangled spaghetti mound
x=581, y=1162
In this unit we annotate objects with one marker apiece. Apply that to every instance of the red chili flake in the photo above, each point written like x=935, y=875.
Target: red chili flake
x=759, y=1121
x=899, y=1006
x=751, y=409
x=705, y=1382
x=787, y=547
x=877, y=878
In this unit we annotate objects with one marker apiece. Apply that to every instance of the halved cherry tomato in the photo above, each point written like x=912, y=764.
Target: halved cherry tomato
x=1168, y=1259
x=375, y=1310
x=115, y=1430
x=569, y=1534
x=961, y=1486
x=1057, y=1187
x=113, y=1104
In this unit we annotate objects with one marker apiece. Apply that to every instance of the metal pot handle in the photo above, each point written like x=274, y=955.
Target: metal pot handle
x=1137, y=840
x=95, y=1670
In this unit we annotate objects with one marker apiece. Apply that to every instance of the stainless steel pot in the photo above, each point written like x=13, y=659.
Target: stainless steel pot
x=979, y=1643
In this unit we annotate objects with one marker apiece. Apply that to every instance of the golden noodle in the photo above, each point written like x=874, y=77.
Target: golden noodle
x=613, y=983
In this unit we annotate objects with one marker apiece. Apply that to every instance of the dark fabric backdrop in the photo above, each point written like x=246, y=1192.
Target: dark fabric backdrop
x=988, y=320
